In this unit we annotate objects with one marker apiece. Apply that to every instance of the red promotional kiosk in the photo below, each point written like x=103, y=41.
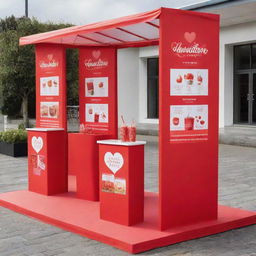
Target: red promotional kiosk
x=186, y=206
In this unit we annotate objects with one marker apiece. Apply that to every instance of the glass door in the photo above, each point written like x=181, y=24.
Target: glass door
x=241, y=98
x=245, y=84
x=253, y=98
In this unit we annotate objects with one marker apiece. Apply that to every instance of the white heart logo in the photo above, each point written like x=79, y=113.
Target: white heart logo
x=37, y=143
x=114, y=162
x=96, y=54
x=190, y=37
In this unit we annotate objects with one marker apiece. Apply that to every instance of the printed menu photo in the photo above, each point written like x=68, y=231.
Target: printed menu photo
x=107, y=183
x=97, y=113
x=49, y=109
x=38, y=164
x=120, y=186
x=185, y=82
x=111, y=184
x=188, y=123
x=49, y=86
x=188, y=117
x=96, y=87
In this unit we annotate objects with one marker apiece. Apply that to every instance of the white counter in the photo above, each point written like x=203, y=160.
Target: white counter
x=121, y=143
x=44, y=129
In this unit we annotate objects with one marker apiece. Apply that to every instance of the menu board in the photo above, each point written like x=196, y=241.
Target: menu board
x=188, y=117
x=188, y=123
x=185, y=82
x=98, y=90
x=50, y=86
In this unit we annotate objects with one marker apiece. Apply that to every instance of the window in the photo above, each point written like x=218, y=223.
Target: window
x=242, y=56
x=152, y=88
x=245, y=57
x=245, y=84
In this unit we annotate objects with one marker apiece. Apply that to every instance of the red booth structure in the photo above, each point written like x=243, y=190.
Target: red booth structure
x=122, y=181
x=186, y=206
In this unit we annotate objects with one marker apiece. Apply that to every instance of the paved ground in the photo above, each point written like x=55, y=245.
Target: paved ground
x=20, y=235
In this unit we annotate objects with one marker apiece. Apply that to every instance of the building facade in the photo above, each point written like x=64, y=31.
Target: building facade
x=138, y=69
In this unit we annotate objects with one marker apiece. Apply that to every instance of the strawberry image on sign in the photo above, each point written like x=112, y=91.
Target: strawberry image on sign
x=49, y=83
x=189, y=77
x=176, y=121
x=179, y=79
x=199, y=79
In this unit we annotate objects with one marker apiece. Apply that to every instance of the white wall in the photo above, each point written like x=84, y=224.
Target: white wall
x=144, y=53
x=128, y=83
x=132, y=83
x=230, y=36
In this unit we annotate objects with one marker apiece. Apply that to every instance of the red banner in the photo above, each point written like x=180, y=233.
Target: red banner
x=188, y=117
x=98, y=90
x=50, y=86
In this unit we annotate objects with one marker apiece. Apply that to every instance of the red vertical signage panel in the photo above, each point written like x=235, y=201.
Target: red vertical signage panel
x=188, y=117
x=98, y=89
x=50, y=86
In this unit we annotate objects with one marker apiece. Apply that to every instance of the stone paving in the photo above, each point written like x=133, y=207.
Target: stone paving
x=21, y=235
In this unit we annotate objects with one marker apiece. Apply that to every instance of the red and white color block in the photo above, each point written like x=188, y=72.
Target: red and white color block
x=188, y=117
x=121, y=167
x=47, y=161
x=51, y=86
x=98, y=89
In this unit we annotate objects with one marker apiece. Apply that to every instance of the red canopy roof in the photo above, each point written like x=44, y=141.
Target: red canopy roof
x=134, y=30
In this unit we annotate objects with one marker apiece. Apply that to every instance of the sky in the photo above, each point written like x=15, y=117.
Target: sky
x=79, y=12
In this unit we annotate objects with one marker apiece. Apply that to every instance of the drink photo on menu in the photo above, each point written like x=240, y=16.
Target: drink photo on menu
x=96, y=87
x=49, y=109
x=188, y=82
x=49, y=86
x=120, y=186
x=107, y=183
x=188, y=117
x=96, y=113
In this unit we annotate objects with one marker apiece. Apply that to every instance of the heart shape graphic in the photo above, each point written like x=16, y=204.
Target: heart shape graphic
x=50, y=56
x=37, y=143
x=190, y=37
x=113, y=162
x=96, y=54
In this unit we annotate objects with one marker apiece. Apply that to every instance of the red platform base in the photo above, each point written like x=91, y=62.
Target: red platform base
x=82, y=217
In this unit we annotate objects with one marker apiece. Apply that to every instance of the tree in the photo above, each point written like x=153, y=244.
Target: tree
x=17, y=64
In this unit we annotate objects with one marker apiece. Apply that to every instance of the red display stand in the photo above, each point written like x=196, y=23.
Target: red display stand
x=121, y=181
x=47, y=161
x=187, y=204
x=82, y=217
x=84, y=163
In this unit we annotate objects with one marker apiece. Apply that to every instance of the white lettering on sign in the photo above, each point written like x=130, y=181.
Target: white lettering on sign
x=37, y=143
x=193, y=49
x=95, y=62
x=90, y=64
x=52, y=64
x=113, y=162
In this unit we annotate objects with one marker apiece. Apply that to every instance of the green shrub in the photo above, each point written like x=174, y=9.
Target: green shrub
x=22, y=126
x=14, y=136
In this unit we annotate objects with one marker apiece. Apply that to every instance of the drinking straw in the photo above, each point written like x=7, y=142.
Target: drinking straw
x=122, y=119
